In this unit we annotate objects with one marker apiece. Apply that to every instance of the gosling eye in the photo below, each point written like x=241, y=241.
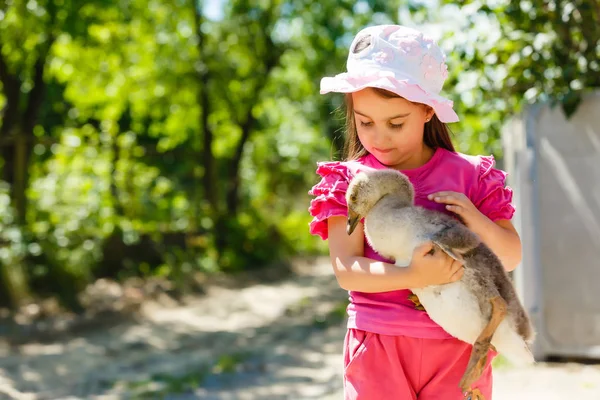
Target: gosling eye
x=353, y=198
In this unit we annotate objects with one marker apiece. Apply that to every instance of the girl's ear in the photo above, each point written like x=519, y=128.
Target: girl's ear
x=429, y=112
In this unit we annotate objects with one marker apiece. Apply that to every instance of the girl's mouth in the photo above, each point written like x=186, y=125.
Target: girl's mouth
x=382, y=151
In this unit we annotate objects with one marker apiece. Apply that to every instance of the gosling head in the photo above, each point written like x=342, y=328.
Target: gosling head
x=368, y=187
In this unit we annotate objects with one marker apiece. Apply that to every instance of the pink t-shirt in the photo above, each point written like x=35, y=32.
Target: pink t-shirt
x=392, y=313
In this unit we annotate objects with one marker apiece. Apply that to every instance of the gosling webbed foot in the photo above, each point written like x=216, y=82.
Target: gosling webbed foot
x=474, y=394
x=413, y=297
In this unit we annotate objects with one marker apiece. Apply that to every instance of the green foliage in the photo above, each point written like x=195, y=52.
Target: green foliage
x=161, y=141
x=250, y=243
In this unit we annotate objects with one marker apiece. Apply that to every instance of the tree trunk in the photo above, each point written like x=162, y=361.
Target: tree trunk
x=114, y=190
x=208, y=158
x=10, y=117
x=14, y=153
x=17, y=134
x=233, y=180
x=13, y=276
x=209, y=183
x=232, y=197
x=23, y=148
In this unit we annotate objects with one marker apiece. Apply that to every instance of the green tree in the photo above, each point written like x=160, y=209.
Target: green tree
x=28, y=31
x=517, y=53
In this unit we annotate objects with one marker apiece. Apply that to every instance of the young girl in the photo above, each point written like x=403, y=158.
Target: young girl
x=396, y=118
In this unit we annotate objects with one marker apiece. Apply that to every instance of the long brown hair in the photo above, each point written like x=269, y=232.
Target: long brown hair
x=436, y=133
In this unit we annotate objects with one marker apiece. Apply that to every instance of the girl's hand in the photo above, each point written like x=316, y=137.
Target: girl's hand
x=459, y=204
x=432, y=266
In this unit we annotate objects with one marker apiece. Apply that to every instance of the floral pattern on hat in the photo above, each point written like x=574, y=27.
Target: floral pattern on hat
x=410, y=48
x=384, y=56
x=444, y=70
x=428, y=65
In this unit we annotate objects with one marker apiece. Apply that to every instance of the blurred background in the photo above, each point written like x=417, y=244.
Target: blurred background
x=156, y=157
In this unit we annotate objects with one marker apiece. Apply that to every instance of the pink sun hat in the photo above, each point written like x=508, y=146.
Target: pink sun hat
x=399, y=59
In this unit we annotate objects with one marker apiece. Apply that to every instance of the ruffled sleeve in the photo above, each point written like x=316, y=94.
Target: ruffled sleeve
x=329, y=195
x=493, y=198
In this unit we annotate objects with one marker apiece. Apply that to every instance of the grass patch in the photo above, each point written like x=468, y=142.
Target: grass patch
x=229, y=363
x=160, y=385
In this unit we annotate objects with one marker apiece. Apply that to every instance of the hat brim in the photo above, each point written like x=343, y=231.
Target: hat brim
x=403, y=86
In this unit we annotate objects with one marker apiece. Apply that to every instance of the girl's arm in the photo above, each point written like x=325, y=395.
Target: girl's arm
x=358, y=273
x=501, y=236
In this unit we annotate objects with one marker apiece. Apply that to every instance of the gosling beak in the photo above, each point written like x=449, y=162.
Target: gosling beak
x=353, y=219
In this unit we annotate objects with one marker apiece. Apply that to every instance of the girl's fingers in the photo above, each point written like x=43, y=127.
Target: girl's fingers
x=456, y=268
x=425, y=249
x=447, y=198
x=455, y=209
x=458, y=274
x=442, y=194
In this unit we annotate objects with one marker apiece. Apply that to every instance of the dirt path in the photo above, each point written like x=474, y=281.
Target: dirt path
x=267, y=341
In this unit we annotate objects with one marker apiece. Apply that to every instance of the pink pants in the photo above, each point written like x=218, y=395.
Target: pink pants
x=380, y=367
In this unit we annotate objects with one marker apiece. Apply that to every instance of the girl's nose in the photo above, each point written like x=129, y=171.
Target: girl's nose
x=379, y=137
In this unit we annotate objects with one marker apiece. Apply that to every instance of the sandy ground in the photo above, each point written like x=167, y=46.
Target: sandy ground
x=279, y=340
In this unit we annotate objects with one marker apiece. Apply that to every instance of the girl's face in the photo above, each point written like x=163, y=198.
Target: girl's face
x=391, y=129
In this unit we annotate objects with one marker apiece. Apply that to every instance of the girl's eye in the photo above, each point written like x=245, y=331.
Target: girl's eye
x=368, y=124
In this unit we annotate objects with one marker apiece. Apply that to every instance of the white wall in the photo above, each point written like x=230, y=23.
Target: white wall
x=554, y=167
